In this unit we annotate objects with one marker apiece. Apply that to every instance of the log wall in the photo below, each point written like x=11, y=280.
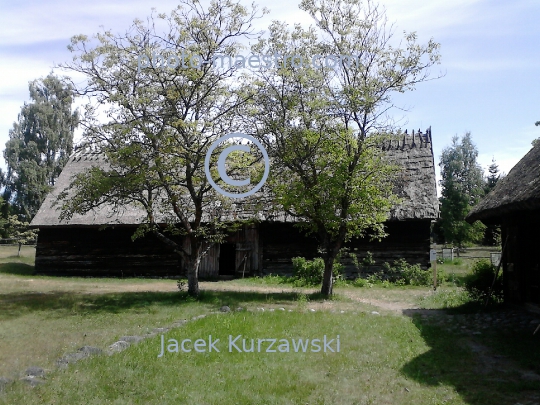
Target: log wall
x=521, y=261
x=102, y=253
x=408, y=240
x=260, y=249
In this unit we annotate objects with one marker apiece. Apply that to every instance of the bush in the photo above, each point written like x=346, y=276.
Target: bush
x=479, y=281
x=368, y=260
x=362, y=282
x=310, y=272
x=403, y=273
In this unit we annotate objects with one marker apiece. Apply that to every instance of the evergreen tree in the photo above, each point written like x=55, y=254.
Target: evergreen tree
x=39, y=144
x=462, y=187
x=493, y=176
x=492, y=234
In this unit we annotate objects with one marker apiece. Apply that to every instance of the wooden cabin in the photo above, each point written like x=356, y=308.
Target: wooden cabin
x=80, y=247
x=514, y=204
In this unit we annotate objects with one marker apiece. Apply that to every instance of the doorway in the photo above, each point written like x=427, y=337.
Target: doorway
x=227, y=259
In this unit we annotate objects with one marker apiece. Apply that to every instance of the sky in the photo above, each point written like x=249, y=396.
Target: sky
x=490, y=62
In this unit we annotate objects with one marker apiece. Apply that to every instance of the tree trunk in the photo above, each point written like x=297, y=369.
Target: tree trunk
x=328, y=280
x=192, y=264
x=193, y=277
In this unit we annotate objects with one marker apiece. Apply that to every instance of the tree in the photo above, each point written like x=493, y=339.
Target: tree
x=18, y=231
x=535, y=142
x=162, y=118
x=493, y=176
x=4, y=215
x=321, y=123
x=12, y=228
x=492, y=233
x=462, y=187
x=39, y=144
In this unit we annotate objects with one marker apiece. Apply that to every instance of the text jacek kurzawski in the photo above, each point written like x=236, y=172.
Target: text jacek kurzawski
x=238, y=344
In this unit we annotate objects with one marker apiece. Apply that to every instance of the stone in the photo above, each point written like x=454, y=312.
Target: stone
x=34, y=372
x=82, y=353
x=32, y=381
x=281, y=309
x=225, y=308
x=70, y=358
x=162, y=330
x=312, y=310
x=90, y=350
x=239, y=309
x=375, y=313
x=117, y=347
x=131, y=339
x=4, y=381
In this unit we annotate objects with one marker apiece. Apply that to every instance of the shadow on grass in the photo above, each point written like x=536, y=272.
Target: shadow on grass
x=17, y=269
x=72, y=303
x=473, y=365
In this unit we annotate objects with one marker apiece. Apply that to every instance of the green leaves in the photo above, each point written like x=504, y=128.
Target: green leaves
x=462, y=187
x=322, y=123
x=161, y=120
x=13, y=228
x=39, y=144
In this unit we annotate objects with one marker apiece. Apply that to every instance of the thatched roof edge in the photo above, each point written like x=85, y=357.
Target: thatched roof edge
x=416, y=185
x=519, y=191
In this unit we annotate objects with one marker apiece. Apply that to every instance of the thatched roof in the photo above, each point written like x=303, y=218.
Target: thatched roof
x=416, y=186
x=518, y=191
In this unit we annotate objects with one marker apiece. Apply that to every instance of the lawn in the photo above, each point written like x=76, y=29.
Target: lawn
x=384, y=357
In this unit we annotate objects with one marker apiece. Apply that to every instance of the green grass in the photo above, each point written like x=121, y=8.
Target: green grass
x=445, y=298
x=384, y=359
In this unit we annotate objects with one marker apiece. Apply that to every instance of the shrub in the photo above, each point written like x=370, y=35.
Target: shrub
x=376, y=278
x=409, y=274
x=310, y=272
x=403, y=273
x=362, y=282
x=479, y=281
x=368, y=260
x=181, y=284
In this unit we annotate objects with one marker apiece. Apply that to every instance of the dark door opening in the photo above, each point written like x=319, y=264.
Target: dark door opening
x=227, y=259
